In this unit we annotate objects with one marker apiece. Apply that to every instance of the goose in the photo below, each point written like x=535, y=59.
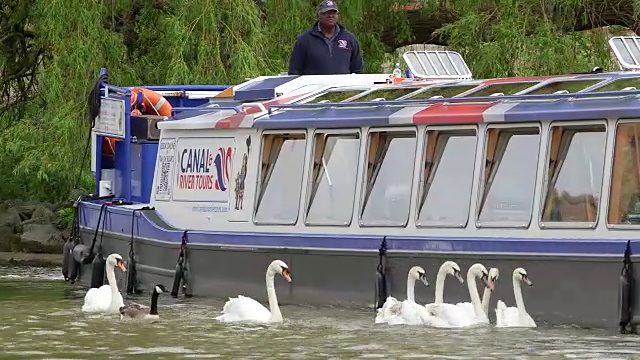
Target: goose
x=137, y=311
x=106, y=298
x=450, y=315
x=244, y=308
x=515, y=316
x=395, y=312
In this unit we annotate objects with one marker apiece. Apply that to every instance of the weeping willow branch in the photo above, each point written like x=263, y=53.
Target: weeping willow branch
x=20, y=56
x=567, y=16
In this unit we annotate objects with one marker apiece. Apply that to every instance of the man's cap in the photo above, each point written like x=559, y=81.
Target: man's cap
x=327, y=5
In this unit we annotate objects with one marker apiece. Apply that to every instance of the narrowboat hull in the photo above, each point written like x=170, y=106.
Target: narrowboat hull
x=580, y=290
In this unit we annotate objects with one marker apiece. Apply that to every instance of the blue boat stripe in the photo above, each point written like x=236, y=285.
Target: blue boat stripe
x=120, y=222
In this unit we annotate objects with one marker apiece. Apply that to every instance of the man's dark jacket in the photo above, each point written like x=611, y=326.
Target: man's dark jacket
x=314, y=54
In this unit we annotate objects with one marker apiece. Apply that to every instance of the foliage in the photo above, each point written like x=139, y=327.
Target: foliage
x=217, y=41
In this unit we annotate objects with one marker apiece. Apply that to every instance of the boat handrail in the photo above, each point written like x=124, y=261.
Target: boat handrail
x=254, y=104
x=209, y=108
x=454, y=100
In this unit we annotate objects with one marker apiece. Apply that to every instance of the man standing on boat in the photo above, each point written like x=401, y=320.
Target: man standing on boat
x=327, y=48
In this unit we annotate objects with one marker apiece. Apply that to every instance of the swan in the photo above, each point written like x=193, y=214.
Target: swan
x=515, y=316
x=494, y=273
x=244, y=308
x=137, y=311
x=395, y=312
x=106, y=298
x=447, y=268
x=457, y=316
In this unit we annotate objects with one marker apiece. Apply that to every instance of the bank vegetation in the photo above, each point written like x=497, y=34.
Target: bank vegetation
x=51, y=52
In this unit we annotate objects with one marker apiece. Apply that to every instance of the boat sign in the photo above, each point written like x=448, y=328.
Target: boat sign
x=110, y=121
x=165, y=168
x=203, y=167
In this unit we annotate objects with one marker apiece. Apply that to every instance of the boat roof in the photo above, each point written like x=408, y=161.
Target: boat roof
x=445, y=93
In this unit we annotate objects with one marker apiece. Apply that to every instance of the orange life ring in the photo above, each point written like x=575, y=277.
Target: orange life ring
x=152, y=104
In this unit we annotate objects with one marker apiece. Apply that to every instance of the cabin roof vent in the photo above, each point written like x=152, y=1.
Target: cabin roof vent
x=627, y=51
x=435, y=64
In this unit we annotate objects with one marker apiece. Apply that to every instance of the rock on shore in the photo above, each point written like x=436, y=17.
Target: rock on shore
x=31, y=227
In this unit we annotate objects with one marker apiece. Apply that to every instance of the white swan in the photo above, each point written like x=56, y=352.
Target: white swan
x=515, y=316
x=395, y=312
x=244, y=308
x=447, y=268
x=457, y=316
x=494, y=273
x=106, y=298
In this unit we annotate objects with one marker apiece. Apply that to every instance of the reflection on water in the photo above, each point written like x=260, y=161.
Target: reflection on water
x=40, y=317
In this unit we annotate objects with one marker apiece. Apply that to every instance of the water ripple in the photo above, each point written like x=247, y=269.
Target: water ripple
x=47, y=322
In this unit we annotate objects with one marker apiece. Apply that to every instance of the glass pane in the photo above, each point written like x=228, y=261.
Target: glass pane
x=620, y=84
x=387, y=94
x=449, y=194
x=571, y=86
x=388, y=201
x=333, y=200
x=624, y=198
x=509, y=195
x=281, y=198
x=505, y=88
x=574, y=190
x=336, y=96
x=444, y=91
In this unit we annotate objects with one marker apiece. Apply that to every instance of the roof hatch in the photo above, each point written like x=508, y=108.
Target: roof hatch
x=627, y=51
x=435, y=64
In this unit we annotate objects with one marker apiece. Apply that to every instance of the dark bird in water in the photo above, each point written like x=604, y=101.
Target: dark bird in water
x=137, y=311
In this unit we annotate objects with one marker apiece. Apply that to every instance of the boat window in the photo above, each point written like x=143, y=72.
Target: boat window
x=510, y=88
x=281, y=173
x=571, y=86
x=336, y=95
x=444, y=91
x=448, y=176
x=333, y=179
x=620, y=84
x=387, y=94
x=574, y=174
x=624, y=198
x=389, y=177
x=509, y=177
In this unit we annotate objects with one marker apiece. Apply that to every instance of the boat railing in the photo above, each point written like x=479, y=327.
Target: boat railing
x=462, y=100
x=236, y=109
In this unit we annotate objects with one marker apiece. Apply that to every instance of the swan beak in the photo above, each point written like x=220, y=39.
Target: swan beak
x=424, y=281
x=459, y=277
x=121, y=265
x=488, y=283
x=286, y=274
x=528, y=282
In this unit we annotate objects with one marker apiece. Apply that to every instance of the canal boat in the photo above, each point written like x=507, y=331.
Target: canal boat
x=352, y=180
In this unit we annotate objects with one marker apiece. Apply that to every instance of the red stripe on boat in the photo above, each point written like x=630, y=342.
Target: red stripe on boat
x=233, y=121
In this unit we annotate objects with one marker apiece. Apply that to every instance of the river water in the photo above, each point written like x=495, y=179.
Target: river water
x=40, y=318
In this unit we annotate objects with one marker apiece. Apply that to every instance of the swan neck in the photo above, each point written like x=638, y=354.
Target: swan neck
x=473, y=293
x=273, y=299
x=517, y=293
x=111, y=279
x=154, y=303
x=411, y=284
x=485, y=300
x=440, y=286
